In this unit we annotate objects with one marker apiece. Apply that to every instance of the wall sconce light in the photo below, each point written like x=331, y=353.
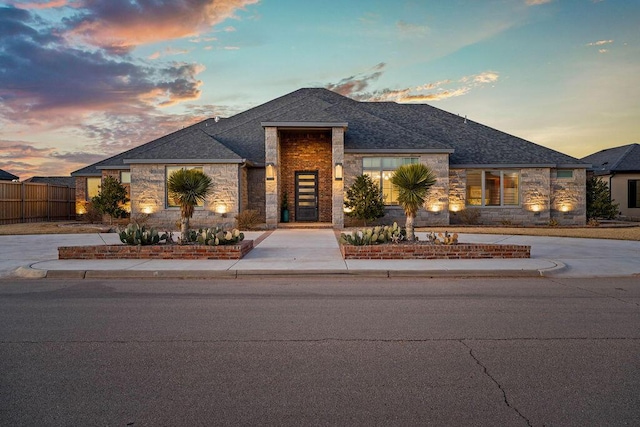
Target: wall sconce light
x=271, y=172
x=147, y=210
x=455, y=208
x=222, y=209
x=435, y=209
x=536, y=210
x=565, y=208
x=338, y=172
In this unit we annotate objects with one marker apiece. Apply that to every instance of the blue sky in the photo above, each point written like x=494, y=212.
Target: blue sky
x=81, y=80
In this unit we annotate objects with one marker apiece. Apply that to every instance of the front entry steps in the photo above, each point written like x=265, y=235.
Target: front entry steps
x=305, y=225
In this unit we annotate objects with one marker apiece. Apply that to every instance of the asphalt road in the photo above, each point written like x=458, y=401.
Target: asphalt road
x=296, y=351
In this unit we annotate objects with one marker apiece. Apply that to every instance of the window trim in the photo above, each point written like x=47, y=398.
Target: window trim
x=483, y=188
x=633, y=200
x=569, y=171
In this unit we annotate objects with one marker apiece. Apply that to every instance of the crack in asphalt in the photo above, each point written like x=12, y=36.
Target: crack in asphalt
x=502, y=390
x=596, y=293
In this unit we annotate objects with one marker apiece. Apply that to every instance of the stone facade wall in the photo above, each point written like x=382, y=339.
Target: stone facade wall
x=542, y=197
x=568, y=198
x=436, y=208
x=307, y=150
x=148, y=192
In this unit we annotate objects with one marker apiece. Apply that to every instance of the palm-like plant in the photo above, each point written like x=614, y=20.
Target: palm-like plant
x=414, y=182
x=188, y=187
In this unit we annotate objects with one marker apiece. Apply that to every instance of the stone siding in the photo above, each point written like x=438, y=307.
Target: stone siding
x=436, y=207
x=148, y=192
x=542, y=197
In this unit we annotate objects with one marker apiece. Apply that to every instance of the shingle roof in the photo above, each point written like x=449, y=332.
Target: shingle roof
x=66, y=181
x=381, y=126
x=619, y=159
x=6, y=176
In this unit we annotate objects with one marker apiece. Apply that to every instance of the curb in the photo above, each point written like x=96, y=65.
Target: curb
x=248, y=274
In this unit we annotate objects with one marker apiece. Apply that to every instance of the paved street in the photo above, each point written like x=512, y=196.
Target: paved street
x=299, y=351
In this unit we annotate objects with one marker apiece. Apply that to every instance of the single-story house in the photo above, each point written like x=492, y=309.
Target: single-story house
x=311, y=144
x=619, y=167
x=6, y=176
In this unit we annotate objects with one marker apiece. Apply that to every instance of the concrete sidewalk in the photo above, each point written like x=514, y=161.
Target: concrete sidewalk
x=316, y=251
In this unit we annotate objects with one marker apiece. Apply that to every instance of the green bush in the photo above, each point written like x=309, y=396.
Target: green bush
x=110, y=199
x=599, y=203
x=363, y=200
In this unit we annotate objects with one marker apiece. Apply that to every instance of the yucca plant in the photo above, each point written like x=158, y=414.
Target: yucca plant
x=414, y=182
x=188, y=187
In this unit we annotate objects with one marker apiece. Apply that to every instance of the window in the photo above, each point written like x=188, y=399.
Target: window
x=566, y=174
x=171, y=169
x=93, y=186
x=125, y=177
x=380, y=169
x=634, y=193
x=493, y=188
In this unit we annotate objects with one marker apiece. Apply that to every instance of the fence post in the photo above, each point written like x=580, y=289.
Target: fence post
x=24, y=202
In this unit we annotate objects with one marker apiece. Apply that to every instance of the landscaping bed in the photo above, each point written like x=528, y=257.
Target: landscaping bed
x=427, y=250
x=159, y=251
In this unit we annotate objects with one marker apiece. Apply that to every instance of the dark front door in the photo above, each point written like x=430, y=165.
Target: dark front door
x=307, y=196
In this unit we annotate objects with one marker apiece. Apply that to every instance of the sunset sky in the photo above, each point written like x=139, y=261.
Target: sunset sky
x=81, y=80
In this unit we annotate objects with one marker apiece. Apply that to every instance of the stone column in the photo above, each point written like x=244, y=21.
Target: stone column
x=337, y=149
x=271, y=155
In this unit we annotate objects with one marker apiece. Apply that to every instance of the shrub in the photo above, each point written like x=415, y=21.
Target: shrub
x=363, y=200
x=91, y=215
x=110, y=199
x=553, y=222
x=469, y=216
x=599, y=203
x=247, y=220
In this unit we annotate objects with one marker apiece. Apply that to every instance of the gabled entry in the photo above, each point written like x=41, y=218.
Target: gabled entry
x=307, y=196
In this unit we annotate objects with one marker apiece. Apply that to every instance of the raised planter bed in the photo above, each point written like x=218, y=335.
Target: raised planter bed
x=423, y=250
x=161, y=251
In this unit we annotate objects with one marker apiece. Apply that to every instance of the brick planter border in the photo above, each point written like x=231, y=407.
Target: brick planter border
x=161, y=251
x=431, y=251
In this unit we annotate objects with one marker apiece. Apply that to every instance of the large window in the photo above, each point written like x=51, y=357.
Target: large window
x=171, y=203
x=634, y=193
x=380, y=169
x=493, y=188
x=93, y=186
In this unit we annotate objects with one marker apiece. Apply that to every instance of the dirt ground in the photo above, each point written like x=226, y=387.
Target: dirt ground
x=629, y=231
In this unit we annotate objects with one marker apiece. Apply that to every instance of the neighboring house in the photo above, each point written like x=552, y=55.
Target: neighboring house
x=312, y=143
x=62, y=181
x=6, y=176
x=619, y=167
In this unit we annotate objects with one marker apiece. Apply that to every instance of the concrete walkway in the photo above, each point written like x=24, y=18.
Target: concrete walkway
x=316, y=251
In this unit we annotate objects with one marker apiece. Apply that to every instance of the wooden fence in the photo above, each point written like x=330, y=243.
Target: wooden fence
x=31, y=202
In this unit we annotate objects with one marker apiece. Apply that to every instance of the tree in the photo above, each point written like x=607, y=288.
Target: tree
x=110, y=199
x=599, y=204
x=188, y=187
x=414, y=182
x=364, y=200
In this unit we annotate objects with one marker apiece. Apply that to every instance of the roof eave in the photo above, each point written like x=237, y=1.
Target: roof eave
x=399, y=151
x=183, y=161
x=305, y=125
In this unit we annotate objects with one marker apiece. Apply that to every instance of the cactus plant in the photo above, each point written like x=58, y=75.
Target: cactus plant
x=374, y=236
x=215, y=236
x=134, y=234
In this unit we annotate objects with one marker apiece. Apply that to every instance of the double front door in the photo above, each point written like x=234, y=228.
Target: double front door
x=307, y=196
